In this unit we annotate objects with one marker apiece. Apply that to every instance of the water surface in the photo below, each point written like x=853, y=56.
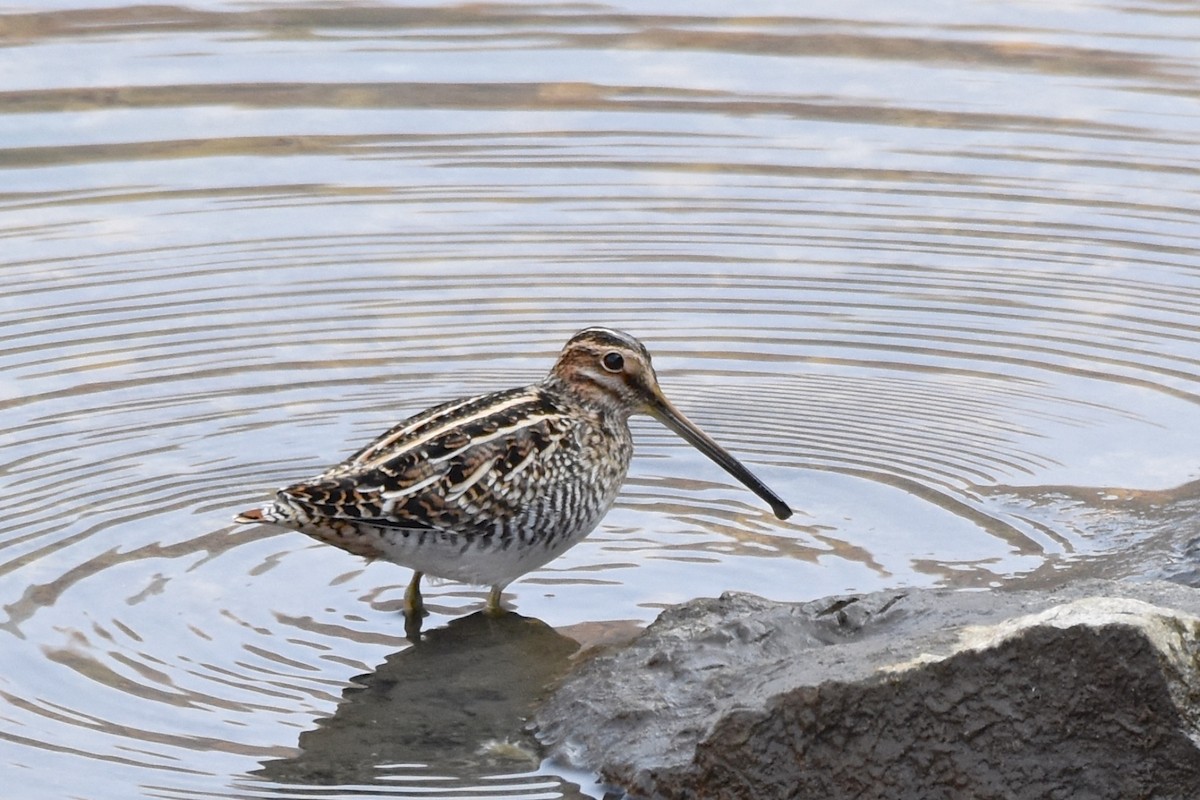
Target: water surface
x=931, y=270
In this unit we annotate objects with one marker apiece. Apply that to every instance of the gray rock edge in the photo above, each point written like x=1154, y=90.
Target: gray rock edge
x=1090, y=690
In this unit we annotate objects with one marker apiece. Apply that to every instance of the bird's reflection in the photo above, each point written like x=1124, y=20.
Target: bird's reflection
x=457, y=699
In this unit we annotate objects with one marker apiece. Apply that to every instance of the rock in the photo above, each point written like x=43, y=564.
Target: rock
x=1091, y=691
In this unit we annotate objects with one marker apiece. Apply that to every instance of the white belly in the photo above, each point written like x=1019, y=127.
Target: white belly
x=483, y=560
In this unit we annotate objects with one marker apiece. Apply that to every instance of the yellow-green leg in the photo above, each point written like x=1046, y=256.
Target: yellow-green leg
x=493, y=602
x=414, y=606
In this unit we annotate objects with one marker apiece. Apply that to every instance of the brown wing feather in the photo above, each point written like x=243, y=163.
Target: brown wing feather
x=464, y=466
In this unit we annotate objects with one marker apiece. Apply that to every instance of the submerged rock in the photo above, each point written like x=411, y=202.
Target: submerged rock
x=1092, y=691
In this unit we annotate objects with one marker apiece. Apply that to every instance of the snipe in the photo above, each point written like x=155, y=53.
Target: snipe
x=484, y=489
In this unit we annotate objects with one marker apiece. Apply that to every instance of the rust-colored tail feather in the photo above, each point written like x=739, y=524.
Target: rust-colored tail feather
x=253, y=515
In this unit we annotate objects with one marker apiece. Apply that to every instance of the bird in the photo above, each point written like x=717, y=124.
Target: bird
x=484, y=489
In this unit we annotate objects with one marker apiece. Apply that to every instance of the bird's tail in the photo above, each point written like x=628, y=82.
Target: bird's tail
x=280, y=511
x=267, y=513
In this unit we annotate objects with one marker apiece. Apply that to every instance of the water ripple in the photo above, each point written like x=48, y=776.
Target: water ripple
x=934, y=279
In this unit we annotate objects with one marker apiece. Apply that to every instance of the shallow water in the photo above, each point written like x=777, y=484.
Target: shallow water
x=931, y=271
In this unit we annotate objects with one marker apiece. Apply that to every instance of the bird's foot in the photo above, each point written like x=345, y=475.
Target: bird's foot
x=414, y=604
x=494, y=607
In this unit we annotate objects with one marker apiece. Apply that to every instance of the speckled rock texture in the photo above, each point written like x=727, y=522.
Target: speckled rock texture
x=1090, y=691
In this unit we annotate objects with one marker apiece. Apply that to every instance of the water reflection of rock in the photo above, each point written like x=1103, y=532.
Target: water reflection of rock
x=1108, y=532
x=459, y=697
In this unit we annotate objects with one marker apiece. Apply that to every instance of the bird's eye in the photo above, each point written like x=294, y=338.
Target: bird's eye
x=613, y=362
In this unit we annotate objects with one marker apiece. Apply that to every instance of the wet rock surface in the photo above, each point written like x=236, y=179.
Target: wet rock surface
x=1091, y=691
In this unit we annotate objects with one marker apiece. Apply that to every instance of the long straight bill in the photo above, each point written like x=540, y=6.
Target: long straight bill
x=668, y=415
